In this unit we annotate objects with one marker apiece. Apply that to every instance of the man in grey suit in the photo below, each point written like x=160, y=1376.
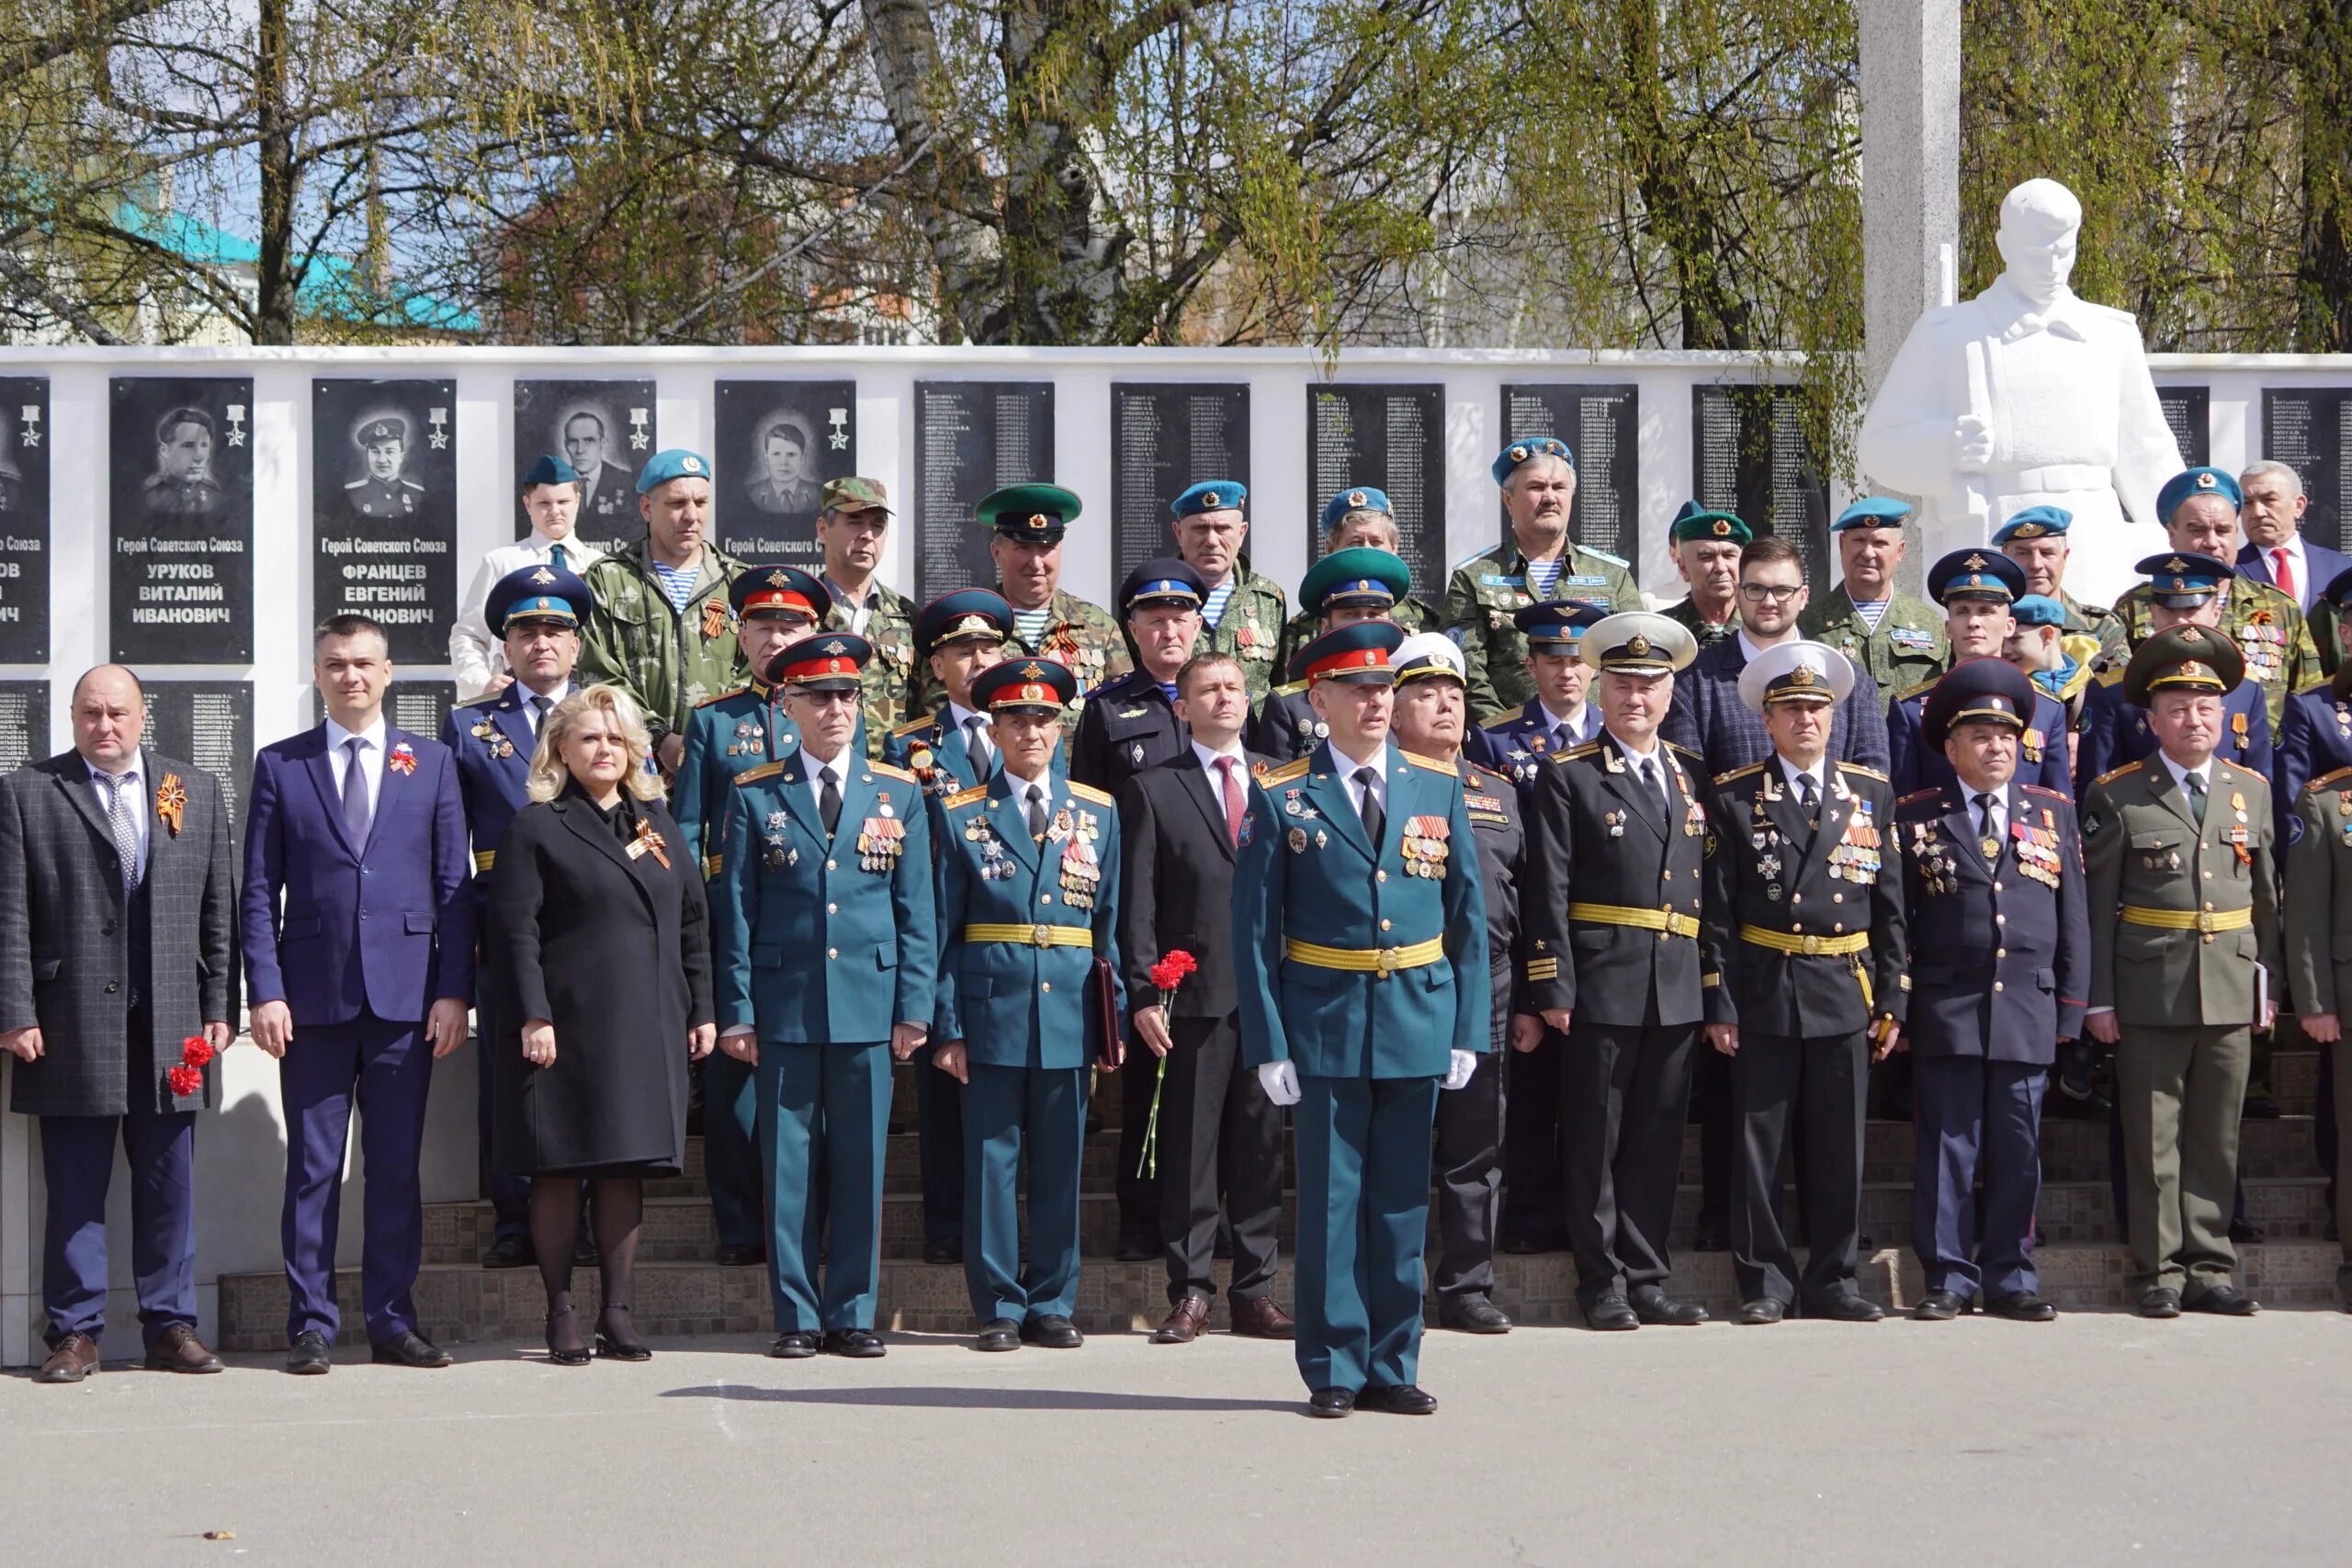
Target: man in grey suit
x=116, y=985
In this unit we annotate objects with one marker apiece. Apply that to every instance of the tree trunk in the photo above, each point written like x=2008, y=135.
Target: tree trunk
x=1713, y=316
x=274, y=312
x=2324, y=267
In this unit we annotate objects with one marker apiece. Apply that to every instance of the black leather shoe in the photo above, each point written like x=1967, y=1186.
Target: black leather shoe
x=2246, y=1232
x=1330, y=1403
x=1612, y=1313
x=1850, y=1306
x=1053, y=1331
x=1473, y=1314
x=509, y=1252
x=410, y=1349
x=2223, y=1301
x=1940, y=1306
x=2021, y=1306
x=739, y=1256
x=858, y=1344
x=1398, y=1399
x=999, y=1334
x=793, y=1345
x=1653, y=1305
x=309, y=1356
x=942, y=1249
x=1762, y=1311
x=1709, y=1238
x=2159, y=1301
x=2261, y=1107
x=1135, y=1246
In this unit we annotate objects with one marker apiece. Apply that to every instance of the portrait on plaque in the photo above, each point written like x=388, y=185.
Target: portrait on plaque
x=24, y=520
x=778, y=443
x=384, y=508
x=603, y=429
x=180, y=470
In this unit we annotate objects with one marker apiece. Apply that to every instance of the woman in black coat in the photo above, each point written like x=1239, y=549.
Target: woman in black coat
x=600, y=944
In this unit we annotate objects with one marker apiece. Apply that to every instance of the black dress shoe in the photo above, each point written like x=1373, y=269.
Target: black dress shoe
x=2246, y=1232
x=1711, y=1238
x=858, y=1344
x=2159, y=1301
x=1053, y=1331
x=510, y=1252
x=309, y=1356
x=1330, y=1403
x=1940, y=1306
x=1473, y=1314
x=1612, y=1313
x=2021, y=1306
x=999, y=1334
x=735, y=1256
x=410, y=1349
x=1398, y=1399
x=1135, y=1246
x=1848, y=1307
x=1653, y=1305
x=2261, y=1107
x=1762, y=1311
x=793, y=1345
x=942, y=1249
x=2223, y=1301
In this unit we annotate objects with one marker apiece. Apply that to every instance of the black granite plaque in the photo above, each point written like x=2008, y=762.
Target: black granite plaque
x=1165, y=438
x=417, y=706
x=1389, y=436
x=210, y=724
x=2190, y=411
x=778, y=443
x=1602, y=423
x=24, y=520
x=971, y=437
x=180, y=471
x=384, y=509
x=24, y=723
x=1749, y=456
x=2309, y=428
x=605, y=429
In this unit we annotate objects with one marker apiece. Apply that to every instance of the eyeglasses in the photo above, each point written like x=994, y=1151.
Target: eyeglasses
x=1778, y=592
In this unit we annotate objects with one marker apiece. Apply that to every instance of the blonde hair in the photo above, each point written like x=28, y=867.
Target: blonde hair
x=548, y=774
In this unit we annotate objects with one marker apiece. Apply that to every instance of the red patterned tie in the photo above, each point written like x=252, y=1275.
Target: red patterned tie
x=1234, y=810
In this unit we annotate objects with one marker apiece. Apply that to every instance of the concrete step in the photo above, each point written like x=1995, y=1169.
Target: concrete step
x=462, y=1304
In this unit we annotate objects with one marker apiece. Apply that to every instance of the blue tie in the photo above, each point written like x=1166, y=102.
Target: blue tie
x=555, y=554
x=354, y=795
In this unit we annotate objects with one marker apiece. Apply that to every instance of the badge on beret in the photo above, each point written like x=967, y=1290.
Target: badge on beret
x=1518, y=453
x=1355, y=498
x=690, y=463
x=1722, y=527
x=2205, y=478
x=1209, y=499
x=2028, y=531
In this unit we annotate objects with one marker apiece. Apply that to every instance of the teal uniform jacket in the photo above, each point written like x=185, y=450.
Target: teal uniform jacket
x=1308, y=873
x=727, y=736
x=1014, y=1003
x=937, y=756
x=825, y=942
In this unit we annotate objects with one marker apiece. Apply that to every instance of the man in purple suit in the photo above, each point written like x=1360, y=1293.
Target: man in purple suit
x=359, y=827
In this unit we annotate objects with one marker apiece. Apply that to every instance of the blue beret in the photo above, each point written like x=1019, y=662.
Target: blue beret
x=536, y=593
x=2039, y=610
x=1358, y=576
x=1356, y=654
x=2182, y=580
x=1976, y=689
x=1978, y=573
x=2035, y=523
x=778, y=590
x=676, y=463
x=965, y=614
x=1024, y=683
x=550, y=469
x=1556, y=623
x=1163, y=582
x=1210, y=495
x=1363, y=498
x=2196, y=482
x=1872, y=512
x=1507, y=462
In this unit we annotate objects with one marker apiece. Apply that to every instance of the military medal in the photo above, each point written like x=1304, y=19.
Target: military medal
x=879, y=842
x=714, y=617
x=647, y=842
x=493, y=739
x=1297, y=840
x=1080, y=873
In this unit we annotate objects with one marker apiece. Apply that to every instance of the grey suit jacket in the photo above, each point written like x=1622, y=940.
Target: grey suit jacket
x=64, y=954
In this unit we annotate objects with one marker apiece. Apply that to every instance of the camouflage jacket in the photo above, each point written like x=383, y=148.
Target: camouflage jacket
x=668, y=661
x=2269, y=629
x=1685, y=613
x=1488, y=589
x=887, y=689
x=1082, y=636
x=2092, y=620
x=1250, y=630
x=1908, y=648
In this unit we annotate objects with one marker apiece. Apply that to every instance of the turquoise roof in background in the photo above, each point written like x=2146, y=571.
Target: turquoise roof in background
x=332, y=287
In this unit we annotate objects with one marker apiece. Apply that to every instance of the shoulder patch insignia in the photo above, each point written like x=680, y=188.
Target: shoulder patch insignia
x=890, y=772
x=1293, y=689
x=1090, y=794
x=1288, y=772
x=1676, y=746
x=1932, y=793
x=1586, y=750
x=1604, y=556
x=1920, y=690
x=2326, y=779
x=2117, y=772
x=722, y=696
x=1739, y=772
x=915, y=726
x=752, y=775
x=1866, y=773
x=2043, y=790
x=1432, y=764
x=966, y=796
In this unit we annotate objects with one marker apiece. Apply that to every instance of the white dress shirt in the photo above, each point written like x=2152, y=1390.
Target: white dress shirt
x=372, y=759
x=134, y=801
x=958, y=718
x=838, y=767
x=474, y=653
x=531, y=715
x=1995, y=820
x=1818, y=773
x=1656, y=760
x=1377, y=763
x=1566, y=729
x=2297, y=563
x=1209, y=760
x=2180, y=774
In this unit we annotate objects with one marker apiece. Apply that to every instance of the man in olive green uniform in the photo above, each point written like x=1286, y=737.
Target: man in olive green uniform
x=2319, y=905
x=1895, y=638
x=1539, y=563
x=1706, y=552
x=663, y=630
x=2036, y=539
x=1028, y=522
x=852, y=518
x=2178, y=844
x=2199, y=509
x=1244, y=612
x=1355, y=519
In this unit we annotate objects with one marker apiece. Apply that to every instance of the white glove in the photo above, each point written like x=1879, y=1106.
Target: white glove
x=1280, y=1080
x=1458, y=1071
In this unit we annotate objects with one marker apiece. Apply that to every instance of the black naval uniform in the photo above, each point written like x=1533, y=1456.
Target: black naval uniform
x=1470, y=1120
x=1802, y=951
x=1615, y=880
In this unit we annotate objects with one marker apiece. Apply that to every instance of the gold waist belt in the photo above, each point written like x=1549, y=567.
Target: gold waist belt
x=1381, y=961
x=1790, y=942
x=2188, y=919
x=1641, y=920
x=1032, y=936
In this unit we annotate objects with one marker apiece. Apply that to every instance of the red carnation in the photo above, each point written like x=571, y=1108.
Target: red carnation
x=1170, y=972
x=185, y=1080
x=196, y=1051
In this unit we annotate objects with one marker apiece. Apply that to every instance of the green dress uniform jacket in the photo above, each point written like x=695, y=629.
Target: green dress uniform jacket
x=2270, y=628
x=1909, y=647
x=886, y=685
x=669, y=661
x=1250, y=630
x=1487, y=589
x=726, y=737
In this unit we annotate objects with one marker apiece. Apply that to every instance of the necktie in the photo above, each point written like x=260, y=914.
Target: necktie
x=1809, y=800
x=1652, y=783
x=1989, y=840
x=120, y=787
x=2282, y=572
x=1375, y=821
x=828, y=800
x=1234, y=810
x=354, y=794
x=1037, y=813
x=539, y=705
x=555, y=554
x=976, y=745
x=2196, y=786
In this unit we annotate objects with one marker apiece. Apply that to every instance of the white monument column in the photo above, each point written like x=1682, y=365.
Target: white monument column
x=1910, y=169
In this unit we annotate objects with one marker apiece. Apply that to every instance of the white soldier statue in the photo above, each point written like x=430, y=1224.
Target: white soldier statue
x=2027, y=396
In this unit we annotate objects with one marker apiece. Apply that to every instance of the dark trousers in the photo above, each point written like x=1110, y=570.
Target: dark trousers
x=1534, y=1171
x=1216, y=1129
x=1820, y=1080
x=939, y=1118
x=1363, y=1214
x=77, y=1163
x=1718, y=1148
x=382, y=1069
x=1625, y=1097
x=1138, y=1190
x=1470, y=1142
x=509, y=1196
x=1976, y=1119
x=730, y=1152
